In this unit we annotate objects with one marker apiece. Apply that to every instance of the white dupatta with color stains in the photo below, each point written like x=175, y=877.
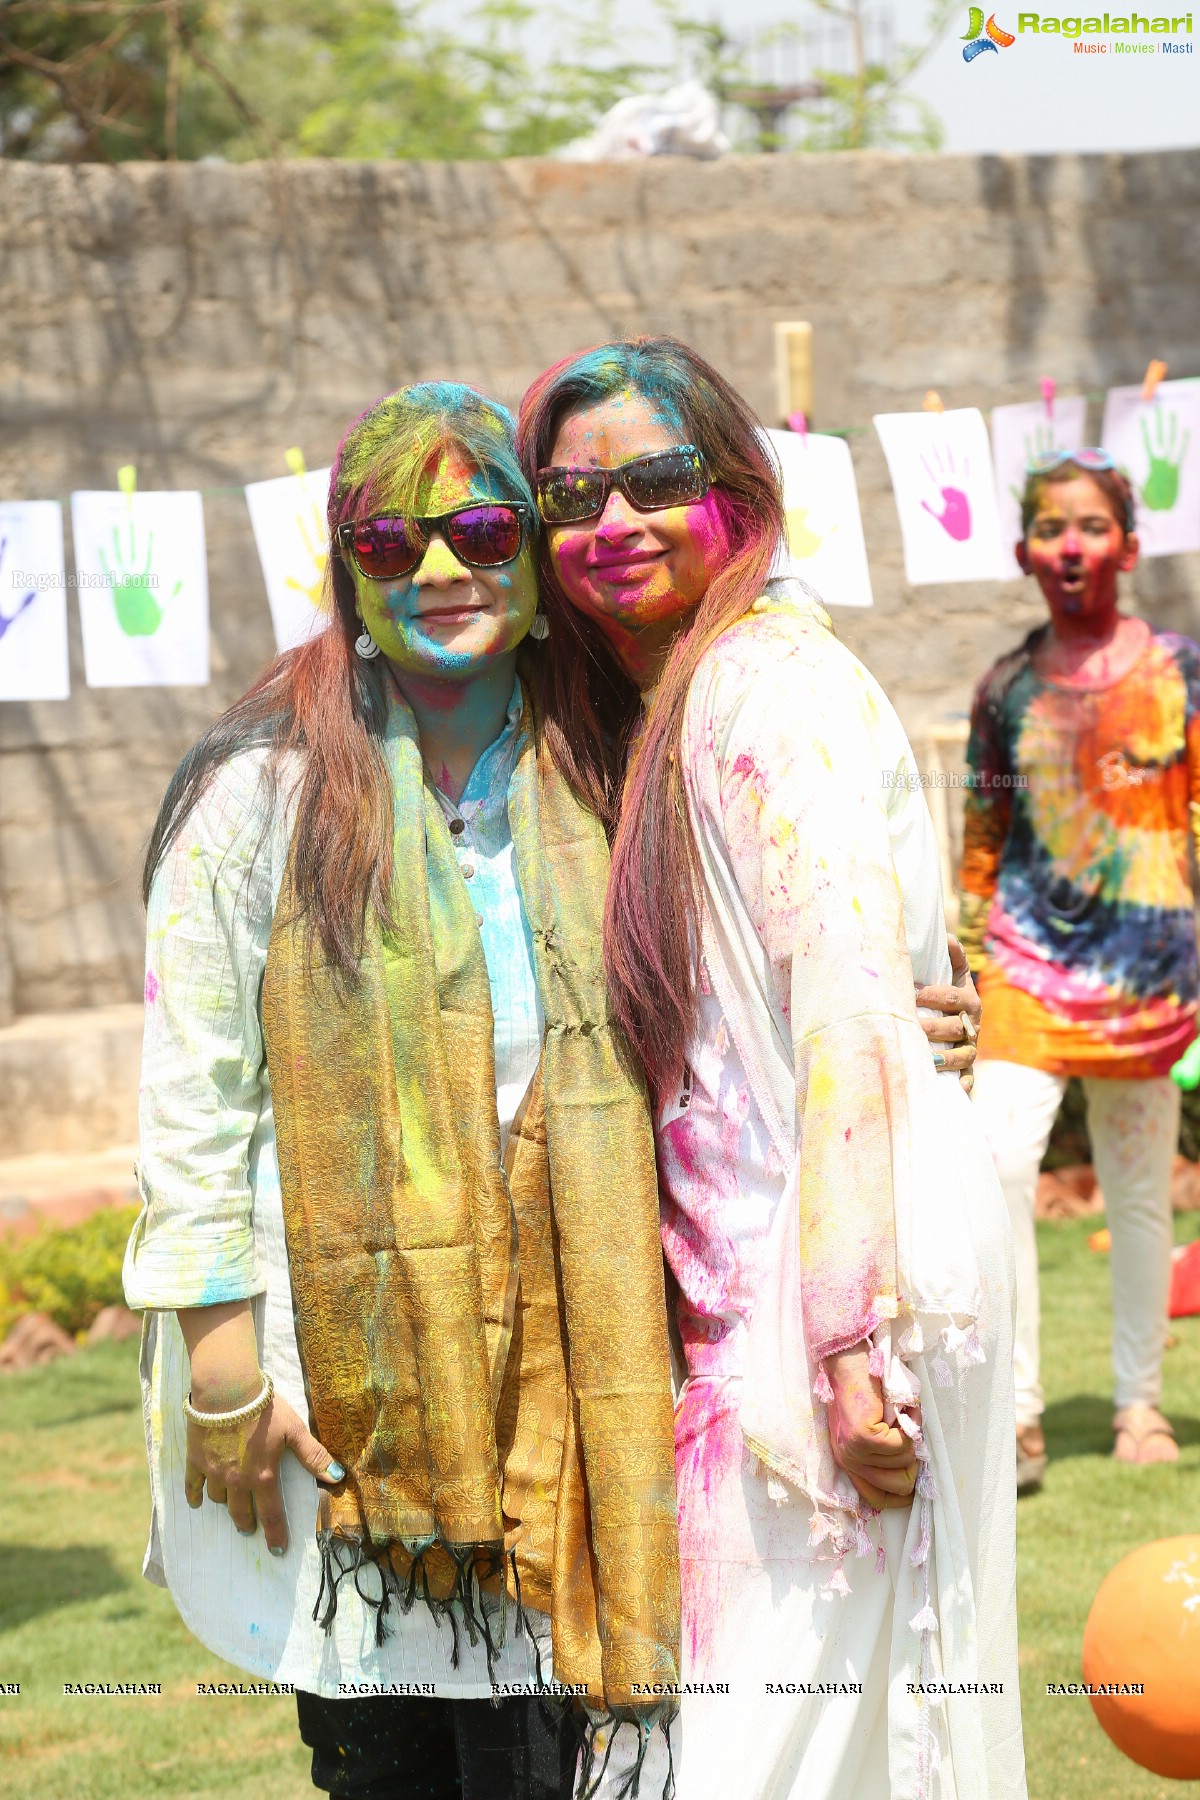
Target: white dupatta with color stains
x=821, y=903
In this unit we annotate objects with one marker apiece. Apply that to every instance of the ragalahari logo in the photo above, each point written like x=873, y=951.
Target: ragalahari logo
x=980, y=37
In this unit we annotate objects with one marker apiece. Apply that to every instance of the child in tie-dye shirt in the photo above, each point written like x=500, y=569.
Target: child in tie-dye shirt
x=1077, y=915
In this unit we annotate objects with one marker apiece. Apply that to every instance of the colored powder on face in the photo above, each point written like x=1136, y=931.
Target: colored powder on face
x=383, y=461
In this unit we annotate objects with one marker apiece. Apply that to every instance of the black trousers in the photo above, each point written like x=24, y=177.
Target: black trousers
x=408, y=1747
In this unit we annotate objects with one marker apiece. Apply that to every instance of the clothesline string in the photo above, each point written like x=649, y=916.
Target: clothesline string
x=1093, y=396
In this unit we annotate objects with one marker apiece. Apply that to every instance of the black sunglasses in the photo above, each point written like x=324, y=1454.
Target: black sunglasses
x=483, y=536
x=672, y=477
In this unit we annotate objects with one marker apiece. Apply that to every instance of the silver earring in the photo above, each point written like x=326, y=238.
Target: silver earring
x=541, y=625
x=365, y=646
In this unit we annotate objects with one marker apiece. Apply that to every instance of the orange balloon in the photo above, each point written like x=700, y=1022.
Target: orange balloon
x=1144, y=1630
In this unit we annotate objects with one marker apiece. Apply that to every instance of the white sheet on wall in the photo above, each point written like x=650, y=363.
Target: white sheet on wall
x=825, y=544
x=33, y=602
x=143, y=588
x=1157, y=443
x=1019, y=433
x=288, y=519
x=941, y=470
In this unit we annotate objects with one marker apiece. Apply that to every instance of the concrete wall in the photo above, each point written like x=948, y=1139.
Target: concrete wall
x=198, y=320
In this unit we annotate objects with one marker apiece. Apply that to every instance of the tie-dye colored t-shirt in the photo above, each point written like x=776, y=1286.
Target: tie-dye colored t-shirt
x=1077, y=904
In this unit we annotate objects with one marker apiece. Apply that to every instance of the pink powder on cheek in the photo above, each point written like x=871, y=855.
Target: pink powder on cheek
x=708, y=528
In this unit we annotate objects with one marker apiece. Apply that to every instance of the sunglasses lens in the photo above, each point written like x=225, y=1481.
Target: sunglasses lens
x=1092, y=457
x=485, y=536
x=567, y=494
x=385, y=548
x=673, y=478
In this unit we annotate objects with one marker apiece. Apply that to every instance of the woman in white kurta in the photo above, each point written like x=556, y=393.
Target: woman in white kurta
x=212, y=1227
x=829, y=1213
x=375, y=1173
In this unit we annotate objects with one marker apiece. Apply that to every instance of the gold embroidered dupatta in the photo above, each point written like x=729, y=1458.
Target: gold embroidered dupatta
x=485, y=1349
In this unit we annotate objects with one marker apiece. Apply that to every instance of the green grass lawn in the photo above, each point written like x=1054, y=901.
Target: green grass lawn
x=1090, y=1514
x=74, y=1607
x=74, y=1504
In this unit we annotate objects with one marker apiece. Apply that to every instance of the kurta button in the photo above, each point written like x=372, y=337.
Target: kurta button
x=479, y=920
x=468, y=870
x=458, y=826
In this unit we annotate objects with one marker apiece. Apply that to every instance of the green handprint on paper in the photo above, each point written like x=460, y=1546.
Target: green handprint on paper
x=1041, y=443
x=1160, y=490
x=138, y=612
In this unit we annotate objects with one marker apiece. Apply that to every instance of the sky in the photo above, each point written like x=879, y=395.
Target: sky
x=1037, y=95
x=1041, y=94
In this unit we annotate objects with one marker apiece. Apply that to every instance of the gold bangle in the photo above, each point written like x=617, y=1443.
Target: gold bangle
x=241, y=1415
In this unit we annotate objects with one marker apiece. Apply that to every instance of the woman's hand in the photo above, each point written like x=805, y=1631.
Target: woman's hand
x=950, y=1038
x=879, y=1459
x=239, y=1464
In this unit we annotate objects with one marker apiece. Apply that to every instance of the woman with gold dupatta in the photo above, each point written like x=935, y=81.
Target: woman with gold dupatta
x=400, y=1213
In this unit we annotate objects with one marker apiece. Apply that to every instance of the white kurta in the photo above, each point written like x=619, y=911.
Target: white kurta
x=810, y=1134
x=211, y=1228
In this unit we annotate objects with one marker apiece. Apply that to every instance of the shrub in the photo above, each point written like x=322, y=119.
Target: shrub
x=68, y=1271
x=1069, y=1139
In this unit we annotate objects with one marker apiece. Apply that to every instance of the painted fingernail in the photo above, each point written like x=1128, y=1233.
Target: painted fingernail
x=275, y=1549
x=335, y=1472
x=939, y=1061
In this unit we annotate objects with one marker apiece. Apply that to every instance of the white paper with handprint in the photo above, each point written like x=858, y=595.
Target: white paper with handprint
x=825, y=544
x=33, y=602
x=143, y=588
x=1157, y=443
x=941, y=469
x=288, y=519
x=1019, y=433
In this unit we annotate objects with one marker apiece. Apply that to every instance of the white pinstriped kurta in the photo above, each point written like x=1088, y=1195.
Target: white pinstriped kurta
x=211, y=1225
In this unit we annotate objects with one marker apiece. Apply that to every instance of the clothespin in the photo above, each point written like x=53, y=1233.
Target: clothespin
x=798, y=422
x=1049, y=389
x=294, y=458
x=933, y=402
x=127, y=481
x=1155, y=371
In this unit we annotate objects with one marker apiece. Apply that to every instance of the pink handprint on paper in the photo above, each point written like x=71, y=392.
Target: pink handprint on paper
x=954, y=515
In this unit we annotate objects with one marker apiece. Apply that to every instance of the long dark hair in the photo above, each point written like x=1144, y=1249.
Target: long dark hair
x=327, y=703
x=590, y=706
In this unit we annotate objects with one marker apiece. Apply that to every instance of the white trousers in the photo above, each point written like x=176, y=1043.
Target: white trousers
x=1134, y=1129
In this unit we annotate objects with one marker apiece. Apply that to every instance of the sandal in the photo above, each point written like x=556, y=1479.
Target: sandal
x=1139, y=1425
x=1031, y=1458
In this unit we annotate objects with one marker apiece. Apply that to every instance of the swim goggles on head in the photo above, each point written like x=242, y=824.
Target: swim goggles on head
x=1090, y=457
x=482, y=536
x=672, y=477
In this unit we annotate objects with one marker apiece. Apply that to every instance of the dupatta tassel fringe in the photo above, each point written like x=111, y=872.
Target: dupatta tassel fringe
x=465, y=1607
x=591, y=1779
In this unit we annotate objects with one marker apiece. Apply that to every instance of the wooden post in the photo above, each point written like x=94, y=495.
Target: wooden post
x=945, y=749
x=793, y=369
